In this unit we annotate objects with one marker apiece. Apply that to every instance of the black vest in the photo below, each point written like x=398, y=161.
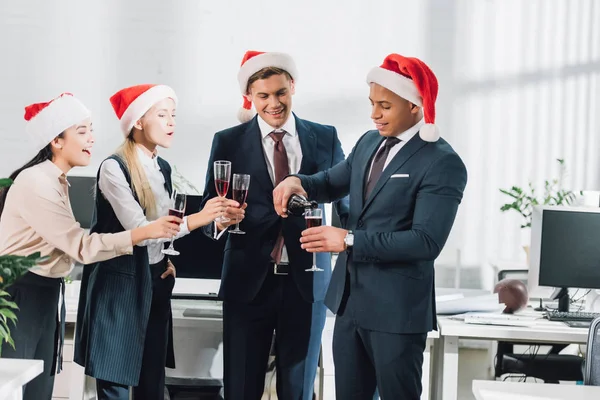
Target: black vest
x=114, y=302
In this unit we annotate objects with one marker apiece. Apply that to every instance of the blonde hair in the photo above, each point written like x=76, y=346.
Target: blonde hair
x=139, y=180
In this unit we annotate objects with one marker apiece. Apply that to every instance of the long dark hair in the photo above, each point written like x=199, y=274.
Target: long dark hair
x=44, y=155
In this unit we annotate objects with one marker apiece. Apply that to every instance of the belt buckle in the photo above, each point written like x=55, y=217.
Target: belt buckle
x=276, y=269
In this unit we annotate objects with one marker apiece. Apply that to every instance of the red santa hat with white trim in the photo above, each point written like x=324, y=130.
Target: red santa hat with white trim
x=253, y=62
x=130, y=104
x=411, y=79
x=45, y=121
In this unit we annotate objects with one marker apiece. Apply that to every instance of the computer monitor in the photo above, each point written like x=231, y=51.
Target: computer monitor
x=201, y=260
x=565, y=250
x=82, y=197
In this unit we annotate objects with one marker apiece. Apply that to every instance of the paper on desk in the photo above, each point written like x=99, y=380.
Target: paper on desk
x=485, y=303
x=499, y=395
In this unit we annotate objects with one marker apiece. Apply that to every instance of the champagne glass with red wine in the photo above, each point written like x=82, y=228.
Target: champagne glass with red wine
x=177, y=209
x=241, y=182
x=314, y=218
x=222, y=176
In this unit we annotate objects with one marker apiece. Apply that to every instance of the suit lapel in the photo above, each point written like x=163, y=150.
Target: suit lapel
x=253, y=151
x=405, y=153
x=308, y=143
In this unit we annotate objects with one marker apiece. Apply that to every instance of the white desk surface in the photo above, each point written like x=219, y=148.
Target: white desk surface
x=15, y=373
x=495, y=390
x=542, y=331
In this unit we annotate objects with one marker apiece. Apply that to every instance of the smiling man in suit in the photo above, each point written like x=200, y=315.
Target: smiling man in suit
x=264, y=285
x=405, y=186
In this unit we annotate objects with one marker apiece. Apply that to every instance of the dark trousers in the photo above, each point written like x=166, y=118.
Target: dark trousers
x=151, y=385
x=36, y=332
x=367, y=360
x=248, y=334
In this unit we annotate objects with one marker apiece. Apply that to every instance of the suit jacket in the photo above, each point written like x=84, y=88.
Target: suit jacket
x=247, y=258
x=114, y=303
x=399, y=230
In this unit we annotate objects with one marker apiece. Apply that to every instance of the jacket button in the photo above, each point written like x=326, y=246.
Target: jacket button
x=360, y=223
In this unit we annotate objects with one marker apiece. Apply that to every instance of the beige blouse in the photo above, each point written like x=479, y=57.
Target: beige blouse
x=37, y=217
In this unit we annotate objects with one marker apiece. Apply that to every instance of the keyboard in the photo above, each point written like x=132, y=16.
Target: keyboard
x=572, y=316
x=203, y=313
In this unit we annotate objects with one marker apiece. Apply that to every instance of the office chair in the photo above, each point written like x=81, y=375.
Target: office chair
x=592, y=358
x=551, y=367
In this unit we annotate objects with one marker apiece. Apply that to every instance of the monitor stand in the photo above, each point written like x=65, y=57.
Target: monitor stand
x=562, y=295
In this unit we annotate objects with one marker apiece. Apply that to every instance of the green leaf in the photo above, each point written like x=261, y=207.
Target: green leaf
x=7, y=313
x=5, y=182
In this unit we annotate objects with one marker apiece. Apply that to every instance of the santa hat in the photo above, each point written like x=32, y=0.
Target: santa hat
x=411, y=79
x=45, y=121
x=130, y=104
x=253, y=62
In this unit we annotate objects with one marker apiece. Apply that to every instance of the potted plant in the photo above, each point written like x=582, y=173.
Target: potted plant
x=523, y=200
x=11, y=268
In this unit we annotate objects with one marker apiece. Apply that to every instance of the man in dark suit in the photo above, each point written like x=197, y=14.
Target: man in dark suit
x=264, y=285
x=405, y=185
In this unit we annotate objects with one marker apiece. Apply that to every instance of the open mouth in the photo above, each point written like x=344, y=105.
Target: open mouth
x=170, y=133
x=87, y=151
x=379, y=125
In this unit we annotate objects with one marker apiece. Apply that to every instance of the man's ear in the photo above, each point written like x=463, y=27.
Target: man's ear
x=414, y=108
x=292, y=87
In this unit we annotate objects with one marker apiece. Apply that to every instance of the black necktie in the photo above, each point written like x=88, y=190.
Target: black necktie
x=378, y=163
x=282, y=169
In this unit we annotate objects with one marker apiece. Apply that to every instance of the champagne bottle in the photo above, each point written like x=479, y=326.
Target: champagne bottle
x=298, y=204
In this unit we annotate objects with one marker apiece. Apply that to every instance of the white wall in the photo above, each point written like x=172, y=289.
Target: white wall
x=93, y=48
x=519, y=80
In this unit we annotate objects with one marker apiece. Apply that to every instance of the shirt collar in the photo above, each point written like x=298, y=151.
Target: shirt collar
x=53, y=171
x=145, y=157
x=289, y=126
x=412, y=131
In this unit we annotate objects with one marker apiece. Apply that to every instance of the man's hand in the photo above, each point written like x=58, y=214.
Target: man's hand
x=324, y=239
x=283, y=191
x=170, y=270
x=234, y=214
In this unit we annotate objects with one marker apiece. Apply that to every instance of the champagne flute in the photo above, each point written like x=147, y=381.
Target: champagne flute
x=222, y=176
x=177, y=209
x=241, y=182
x=314, y=218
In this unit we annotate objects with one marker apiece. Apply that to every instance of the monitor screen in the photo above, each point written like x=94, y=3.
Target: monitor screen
x=565, y=250
x=201, y=260
x=82, y=197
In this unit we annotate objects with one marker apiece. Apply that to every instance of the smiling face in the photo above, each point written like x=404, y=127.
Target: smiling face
x=272, y=96
x=157, y=126
x=74, y=148
x=391, y=113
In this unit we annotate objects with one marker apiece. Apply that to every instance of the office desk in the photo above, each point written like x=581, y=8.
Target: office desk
x=16, y=373
x=446, y=348
x=494, y=390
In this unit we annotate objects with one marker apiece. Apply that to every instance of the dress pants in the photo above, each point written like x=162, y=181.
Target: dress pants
x=151, y=385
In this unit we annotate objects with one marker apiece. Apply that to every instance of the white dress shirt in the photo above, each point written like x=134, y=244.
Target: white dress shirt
x=130, y=214
x=291, y=141
x=404, y=137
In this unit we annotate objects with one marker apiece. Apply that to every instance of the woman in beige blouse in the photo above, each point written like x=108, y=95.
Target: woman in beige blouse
x=36, y=216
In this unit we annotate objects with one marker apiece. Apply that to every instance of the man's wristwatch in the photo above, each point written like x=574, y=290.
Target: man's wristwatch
x=349, y=240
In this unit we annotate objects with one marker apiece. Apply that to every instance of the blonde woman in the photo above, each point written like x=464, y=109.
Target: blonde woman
x=37, y=217
x=124, y=324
